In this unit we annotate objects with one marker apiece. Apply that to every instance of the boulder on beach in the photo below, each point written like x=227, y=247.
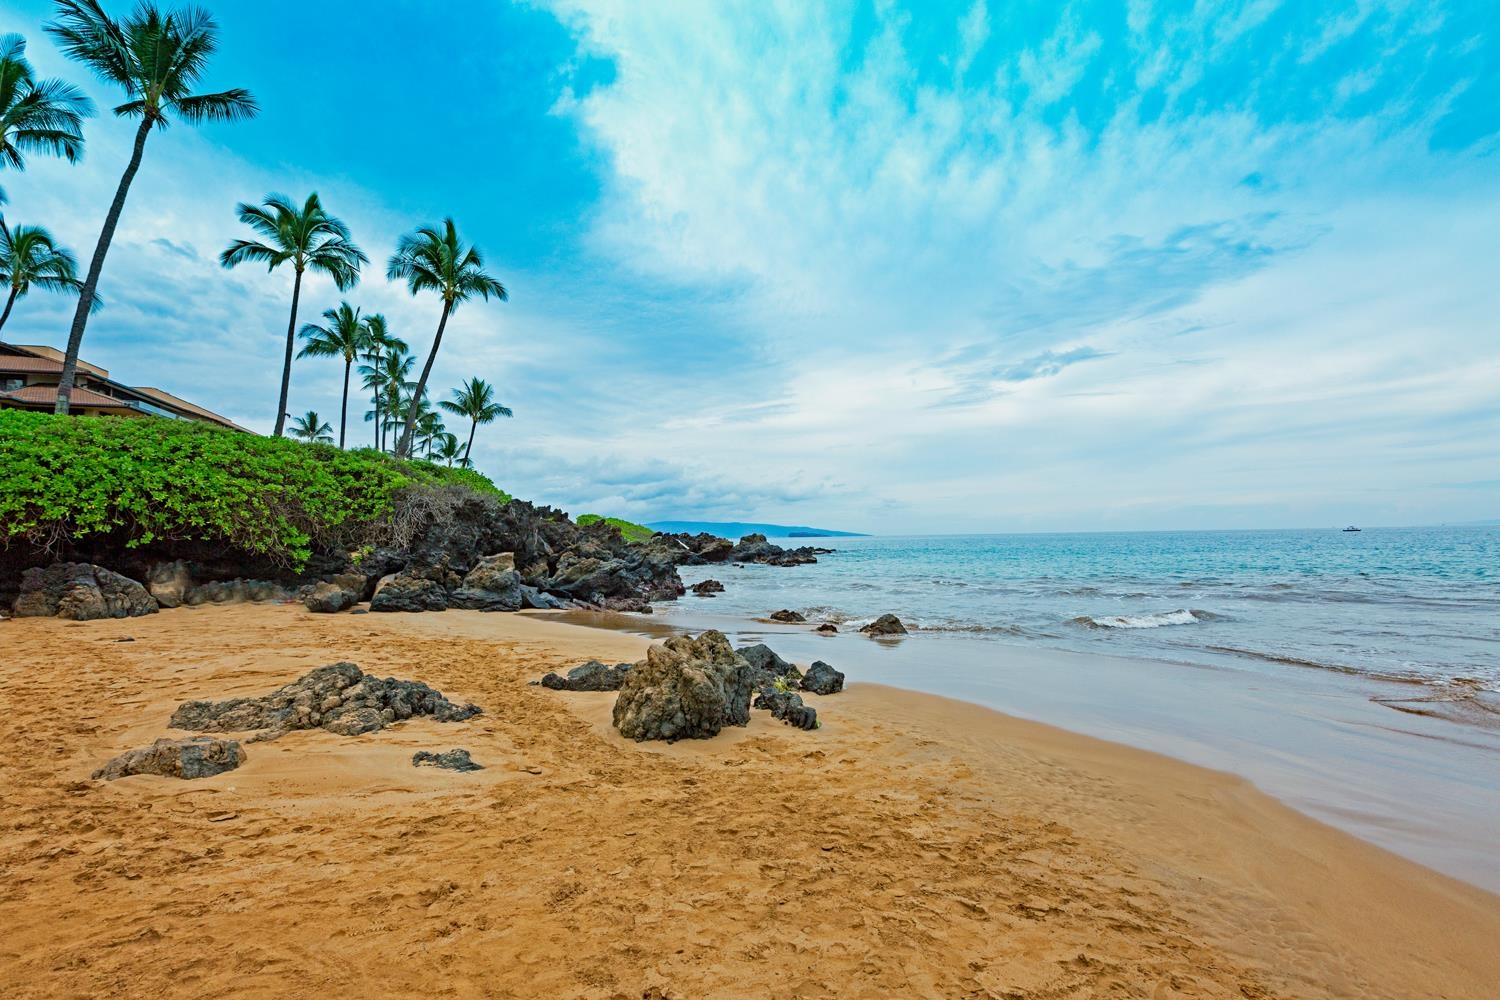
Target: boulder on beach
x=329, y=598
x=450, y=760
x=590, y=676
x=827, y=628
x=686, y=688
x=822, y=679
x=531, y=597
x=169, y=582
x=339, y=697
x=81, y=592
x=767, y=664
x=885, y=625
x=492, y=585
x=410, y=592
x=707, y=588
x=788, y=707
x=236, y=592
x=788, y=616
x=196, y=757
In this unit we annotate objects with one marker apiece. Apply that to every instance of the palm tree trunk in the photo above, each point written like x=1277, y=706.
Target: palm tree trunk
x=286, y=366
x=344, y=413
x=403, y=449
x=473, y=426
x=96, y=267
x=10, y=301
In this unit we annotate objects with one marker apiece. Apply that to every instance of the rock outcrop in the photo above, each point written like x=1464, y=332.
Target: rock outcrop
x=788, y=616
x=822, y=679
x=82, y=592
x=686, y=688
x=451, y=760
x=788, y=707
x=409, y=591
x=885, y=625
x=340, y=698
x=198, y=757
x=767, y=665
x=329, y=598
x=707, y=588
x=756, y=549
x=236, y=592
x=590, y=676
x=492, y=585
x=697, y=550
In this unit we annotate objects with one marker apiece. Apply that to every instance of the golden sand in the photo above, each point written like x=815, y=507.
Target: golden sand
x=913, y=846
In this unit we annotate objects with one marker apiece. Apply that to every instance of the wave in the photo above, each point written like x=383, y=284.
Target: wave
x=1162, y=619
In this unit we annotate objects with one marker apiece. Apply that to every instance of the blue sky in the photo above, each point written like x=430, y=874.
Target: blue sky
x=875, y=266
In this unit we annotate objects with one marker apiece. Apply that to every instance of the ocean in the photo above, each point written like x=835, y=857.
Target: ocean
x=1415, y=604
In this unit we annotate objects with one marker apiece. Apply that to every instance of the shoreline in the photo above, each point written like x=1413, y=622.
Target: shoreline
x=915, y=843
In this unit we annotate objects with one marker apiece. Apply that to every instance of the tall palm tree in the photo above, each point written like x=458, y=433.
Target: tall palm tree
x=36, y=116
x=156, y=58
x=309, y=239
x=475, y=399
x=29, y=257
x=311, y=428
x=387, y=380
x=343, y=337
x=435, y=259
x=379, y=343
x=429, y=426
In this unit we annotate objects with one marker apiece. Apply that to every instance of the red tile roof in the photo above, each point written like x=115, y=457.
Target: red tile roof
x=19, y=363
x=35, y=394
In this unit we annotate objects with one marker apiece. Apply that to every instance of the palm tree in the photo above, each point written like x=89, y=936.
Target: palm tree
x=433, y=259
x=309, y=238
x=475, y=399
x=28, y=256
x=343, y=337
x=429, y=426
x=156, y=59
x=387, y=379
x=379, y=343
x=447, y=450
x=43, y=116
x=311, y=428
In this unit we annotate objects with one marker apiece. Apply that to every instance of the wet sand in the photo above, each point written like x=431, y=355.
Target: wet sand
x=912, y=846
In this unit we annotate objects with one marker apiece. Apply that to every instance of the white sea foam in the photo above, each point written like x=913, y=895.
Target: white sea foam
x=1182, y=617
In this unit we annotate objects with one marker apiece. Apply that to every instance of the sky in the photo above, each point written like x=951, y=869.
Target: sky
x=875, y=266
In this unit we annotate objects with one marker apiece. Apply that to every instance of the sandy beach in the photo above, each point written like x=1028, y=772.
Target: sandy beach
x=913, y=846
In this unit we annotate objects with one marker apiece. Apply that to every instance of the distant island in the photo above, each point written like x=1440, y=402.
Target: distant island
x=738, y=529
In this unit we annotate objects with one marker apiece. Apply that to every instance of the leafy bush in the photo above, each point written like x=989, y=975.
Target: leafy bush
x=631, y=531
x=149, y=479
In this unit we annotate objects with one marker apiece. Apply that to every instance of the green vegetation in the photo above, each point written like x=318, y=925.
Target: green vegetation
x=631, y=531
x=30, y=258
x=147, y=480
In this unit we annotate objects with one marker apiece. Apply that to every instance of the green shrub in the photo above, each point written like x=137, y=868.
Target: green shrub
x=631, y=531
x=150, y=479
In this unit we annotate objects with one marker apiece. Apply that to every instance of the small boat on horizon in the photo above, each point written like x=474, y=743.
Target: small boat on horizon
x=1352, y=528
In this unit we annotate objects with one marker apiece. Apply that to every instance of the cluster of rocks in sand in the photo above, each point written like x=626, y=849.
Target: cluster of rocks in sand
x=691, y=688
x=339, y=698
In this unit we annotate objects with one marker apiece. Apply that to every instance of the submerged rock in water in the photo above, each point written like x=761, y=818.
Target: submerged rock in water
x=686, y=688
x=339, y=698
x=82, y=592
x=707, y=588
x=823, y=679
x=198, y=757
x=827, y=628
x=787, y=706
x=329, y=598
x=885, y=625
x=590, y=676
x=452, y=760
x=788, y=616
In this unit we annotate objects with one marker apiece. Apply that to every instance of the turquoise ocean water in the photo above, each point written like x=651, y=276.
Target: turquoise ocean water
x=1399, y=603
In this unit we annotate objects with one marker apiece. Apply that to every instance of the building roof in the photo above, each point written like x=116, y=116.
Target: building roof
x=47, y=394
x=151, y=392
x=25, y=363
x=53, y=354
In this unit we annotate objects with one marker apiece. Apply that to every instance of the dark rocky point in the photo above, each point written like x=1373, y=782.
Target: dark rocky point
x=452, y=760
x=686, y=688
x=81, y=592
x=885, y=625
x=822, y=679
x=339, y=698
x=197, y=757
x=590, y=676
